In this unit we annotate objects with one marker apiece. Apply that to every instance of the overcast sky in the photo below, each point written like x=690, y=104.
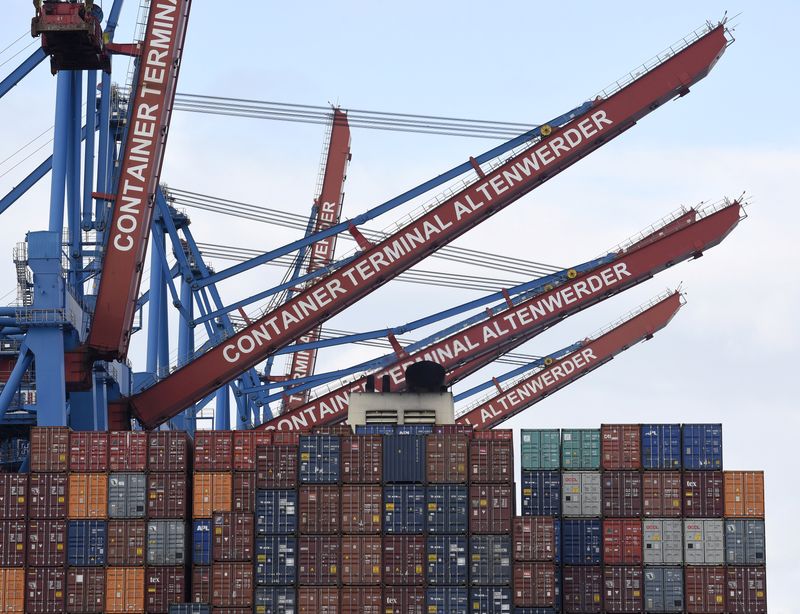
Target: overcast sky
x=728, y=356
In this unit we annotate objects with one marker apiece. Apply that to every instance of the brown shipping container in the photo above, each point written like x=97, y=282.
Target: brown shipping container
x=13, y=496
x=49, y=451
x=661, y=494
x=166, y=495
x=124, y=590
x=361, y=508
x=454, y=429
x=404, y=600
x=582, y=591
x=12, y=590
x=744, y=494
x=491, y=461
x=276, y=466
x=47, y=495
x=88, y=451
x=244, y=448
x=164, y=586
x=534, y=585
x=361, y=459
x=494, y=435
x=446, y=459
x=404, y=559
x=201, y=585
x=620, y=446
x=534, y=538
x=244, y=492
x=491, y=508
x=702, y=494
x=12, y=543
x=47, y=543
x=319, y=509
x=233, y=536
x=213, y=451
x=126, y=543
x=88, y=496
x=318, y=559
x=86, y=590
x=317, y=600
x=340, y=429
x=622, y=494
x=127, y=451
x=45, y=589
x=213, y=492
x=361, y=559
x=622, y=541
x=360, y=600
x=232, y=585
x=168, y=451
x=705, y=590
x=746, y=590
x=286, y=438
x=624, y=588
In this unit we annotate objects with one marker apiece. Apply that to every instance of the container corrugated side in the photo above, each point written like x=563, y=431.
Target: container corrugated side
x=581, y=542
x=276, y=466
x=447, y=600
x=46, y=589
x=49, y=449
x=164, y=586
x=446, y=560
x=317, y=600
x=446, y=508
x=233, y=535
x=702, y=494
x=319, y=509
x=582, y=589
x=702, y=447
x=201, y=584
x=362, y=459
x=744, y=494
x=169, y=451
x=746, y=590
x=12, y=590
x=404, y=559
x=87, y=495
x=622, y=494
x=541, y=493
x=534, y=538
x=213, y=450
x=491, y=461
x=446, y=458
x=88, y=451
x=232, y=585
x=13, y=496
x=318, y=559
x=361, y=559
x=166, y=542
x=245, y=444
x=620, y=446
x=47, y=543
x=661, y=446
x=86, y=543
x=213, y=492
x=491, y=508
x=47, y=496
x=490, y=560
x=490, y=599
x=319, y=459
x=201, y=542
x=534, y=584
x=623, y=589
x=360, y=600
x=127, y=541
x=361, y=508
x=167, y=495
x=580, y=449
x=703, y=542
x=127, y=451
x=403, y=508
x=244, y=492
x=403, y=600
x=663, y=589
x=275, y=560
x=705, y=590
x=13, y=538
x=622, y=541
x=404, y=459
x=124, y=590
x=540, y=449
x=663, y=541
x=275, y=600
x=661, y=494
x=127, y=495
x=86, y=590
x=581, y=493
x=745, y=542
x=276, y=512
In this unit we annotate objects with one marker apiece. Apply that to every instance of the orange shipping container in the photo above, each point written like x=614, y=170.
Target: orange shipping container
x=12, y=590
x=744, y=494
x=88, y=496
x=213, y=492
x=124, y=590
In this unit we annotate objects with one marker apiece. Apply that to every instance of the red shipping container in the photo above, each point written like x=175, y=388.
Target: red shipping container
x=13, y=496
x=319, y=509
x=705, y=590
x=213, y=450
x=702, y=494
x=47, y=495
x=494, y=435
x=168, y=451
x=164, y=586
x=86, y=590
x=244, y=492
x=45, y=589
x=360, y=600
x=318, y=559
x=361, y=508
x=534, y=585
x=126, y=543
x=361, y=559
x=232, y=585
x=622, y=494
x=286, y=438
x=622, y=542
x=166, y=495
x=361, y=459
x=582, y=591
x=454, y=429
x=446, y=459
x=88, y=451
x=49, y=450
x=340, y=429
x=404, y=559
x=661, y=494
x=276, y=466
x=746, y=590
x=201, y=585
x=491, y=508
x=534, y=538
x=233, y=536
x=47, y=543
x=491, y=460
x=12, y=543
x=317, y=600
x=404, y=600
x=623, y=589
x=127, y=451
x=244, y=448
x=620, y=446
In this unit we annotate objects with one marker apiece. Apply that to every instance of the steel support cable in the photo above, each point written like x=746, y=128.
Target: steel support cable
x=12, y=43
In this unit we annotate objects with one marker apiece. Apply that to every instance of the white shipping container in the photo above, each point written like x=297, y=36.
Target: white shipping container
x=663, y=542
x=704, y=542
x=581, y=493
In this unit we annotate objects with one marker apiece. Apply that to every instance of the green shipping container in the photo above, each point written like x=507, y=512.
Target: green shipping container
x=580, y=449
x=541, y=449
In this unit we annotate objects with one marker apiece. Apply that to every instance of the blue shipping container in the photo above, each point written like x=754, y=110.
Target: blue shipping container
x=275, y=600
x=413, y=429
x=534, y=611
x=276, y=559
x=86, y=543
x=490, y=560
x=319, y=459
x=276, y=512
x=581, y=542
x=446, y=508
x=557, y=533
x=404, y=458
x=661, y=446
x=446, y=557
x=447, y=600
x=541, y=493
x=189, y=608
x=490, y=600
x=201, y=542
x=702, y=446
x=374, y=429
x=404, y=508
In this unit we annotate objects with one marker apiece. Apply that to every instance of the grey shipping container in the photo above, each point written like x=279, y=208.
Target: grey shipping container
x=704, y=542
x=166, y=542
x=275, y=600
x=745, y=542
x=490, y=600
x=663, y=542
x=127, y=495
x=404, y=458
x=490, y=560
x=581, y=493
x=446, y=560
x=276, y=511
x=276, y=559
x=446, y=508
x=663, y=589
